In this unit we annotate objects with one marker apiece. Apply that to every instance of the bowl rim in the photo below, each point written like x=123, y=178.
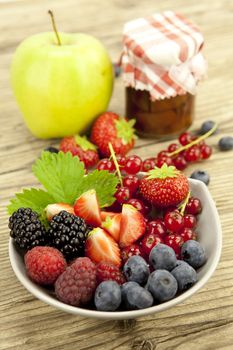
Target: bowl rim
x=120, y=315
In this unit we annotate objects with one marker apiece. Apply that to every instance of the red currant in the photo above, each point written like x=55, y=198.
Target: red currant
x=162, y=154
x=185, y=138
x=106, y=164
x=188, y=234
x=121, y=160
x=174, y=221
x=148, y=242
x=132, y=182
x=179, y=162
x=175, y=242
x=156, y=227
x=164, y=159
x=148, y=164
x=193, y=206
x=190, y=221
x=138, y=204
x=192, y=154
x=122, y=195
x=133, y=165
x=129, y=251
x=206, y=151
x=172, y=147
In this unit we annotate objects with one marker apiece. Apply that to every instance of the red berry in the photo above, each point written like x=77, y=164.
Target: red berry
x=164, y=159
x=185, y=138
x=121, y=160
x=122, y=195
x=206, y=151
x=77, y=284
x=173, y=147
x=132, y=182
x=148, y=242
x=179, y=162
x=156, y=227
x=129, y=251
x=148, y=164
x=133, y=165
x=138, y=204
x=44, y=264
x=106, y=271
x=193, y=206
x=174, y=221
x=106, y=164
x=192, y=154
x=162, y=154
x=188, y=234
x=190, y=221
x=175, y=242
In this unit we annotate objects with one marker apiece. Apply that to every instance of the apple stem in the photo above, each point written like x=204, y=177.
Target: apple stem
x=54, y=27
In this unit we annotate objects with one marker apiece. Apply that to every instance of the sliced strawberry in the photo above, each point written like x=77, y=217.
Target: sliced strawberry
x=133, y=225
x=56, y=208
x=104, y=214
x=100, y=246
x=113, y=225
x=87, y=207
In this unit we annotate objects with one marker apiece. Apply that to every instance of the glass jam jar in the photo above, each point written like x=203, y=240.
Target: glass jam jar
x=160, y=118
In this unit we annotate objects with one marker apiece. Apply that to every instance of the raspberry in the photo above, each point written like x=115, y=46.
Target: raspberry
x=77, y=284
x=107, y=271
x=44, y=264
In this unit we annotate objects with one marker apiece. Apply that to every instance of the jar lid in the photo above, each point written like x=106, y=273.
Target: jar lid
x=162, y=54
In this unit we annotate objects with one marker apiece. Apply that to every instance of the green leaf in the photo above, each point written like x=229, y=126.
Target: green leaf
x=103, y=182
x=125, y=130
x=163, y=172
x=61, y=174
x=83, y=142
x=36, y=199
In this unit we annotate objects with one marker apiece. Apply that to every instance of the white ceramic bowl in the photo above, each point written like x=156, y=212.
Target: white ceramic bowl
x=210, y=236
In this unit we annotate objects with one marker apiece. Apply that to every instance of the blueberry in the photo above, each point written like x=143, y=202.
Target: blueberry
x=201, y=175
x=206, y=126
x=162, y=257
x=193, y=253
x=136, y=269
x=185, y=275
x=52, y=149
x=136, y=297
x=162, y=285
x=225, y=143
x=117, y=69
x=108, y=296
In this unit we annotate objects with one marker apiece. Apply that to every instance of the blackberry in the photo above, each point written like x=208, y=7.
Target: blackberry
x=26, y=229
x=68, y=234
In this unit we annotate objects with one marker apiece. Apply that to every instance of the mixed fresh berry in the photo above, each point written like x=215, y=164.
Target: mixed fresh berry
x=143, y=254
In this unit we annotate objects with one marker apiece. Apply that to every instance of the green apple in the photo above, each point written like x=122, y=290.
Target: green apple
x=61, y=89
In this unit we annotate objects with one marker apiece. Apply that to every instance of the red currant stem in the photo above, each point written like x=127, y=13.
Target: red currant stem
x=183, y=205
x=203, y=137
x=115, y=163
x=54, y=27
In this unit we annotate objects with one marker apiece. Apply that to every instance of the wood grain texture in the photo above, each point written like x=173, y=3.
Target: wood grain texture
x=204, y=322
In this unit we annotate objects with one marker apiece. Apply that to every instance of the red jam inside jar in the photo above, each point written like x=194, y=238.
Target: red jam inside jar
x=160, y=118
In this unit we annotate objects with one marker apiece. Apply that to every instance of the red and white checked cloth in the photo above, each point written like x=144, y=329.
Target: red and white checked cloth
x=162, y=55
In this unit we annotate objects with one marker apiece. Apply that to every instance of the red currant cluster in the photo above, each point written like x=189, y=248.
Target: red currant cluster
x=170, y=227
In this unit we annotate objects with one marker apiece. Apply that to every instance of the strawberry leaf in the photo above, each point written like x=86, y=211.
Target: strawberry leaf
x=36, y=199
x=61, y=175
x=104, y=183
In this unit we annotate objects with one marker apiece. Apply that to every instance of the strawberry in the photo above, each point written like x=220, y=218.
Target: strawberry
x=133, y=225
x=111, y=128
x=112, y=225
x=81, y=147
x=104, y=214
x=54, y=209
x=100, y=246
x=87, y=207
x=165, y=186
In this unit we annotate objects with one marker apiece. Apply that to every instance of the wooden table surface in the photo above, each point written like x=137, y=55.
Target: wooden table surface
x=204, y=321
